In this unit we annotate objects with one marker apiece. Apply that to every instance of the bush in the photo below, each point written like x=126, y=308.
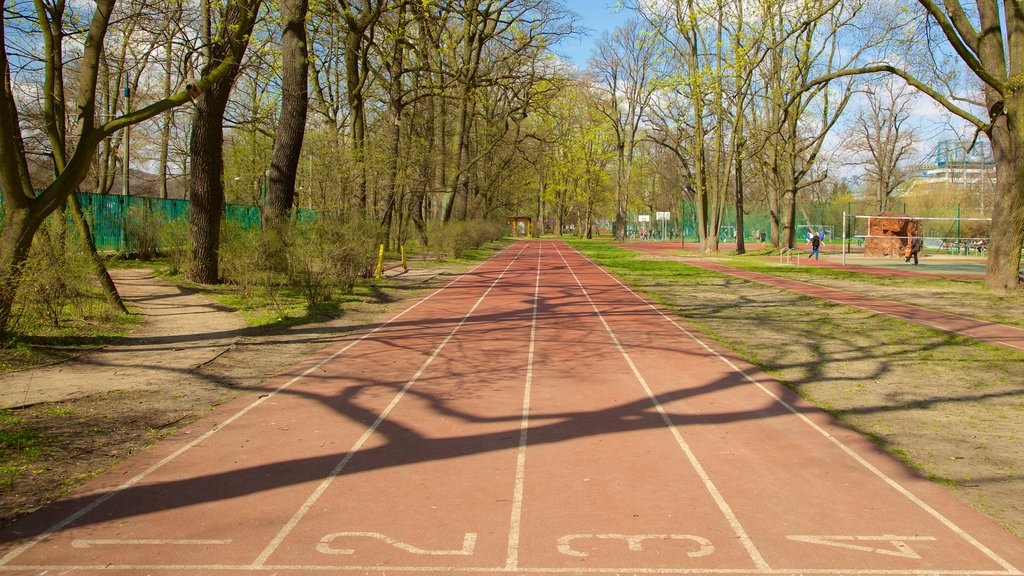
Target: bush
x=451, y=240
x=242, y=262
x=319, y=259
x=174, y=242
x=57, y=275
x=142, y=229
x=328, y=254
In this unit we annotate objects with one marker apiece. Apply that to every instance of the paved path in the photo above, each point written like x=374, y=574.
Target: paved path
x=533, y=417
x=183, y=330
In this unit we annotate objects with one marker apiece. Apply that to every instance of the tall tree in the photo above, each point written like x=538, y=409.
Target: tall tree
x=206, y=187
x=882, y=136
x=26, y=211
x=291, y=126
x=624, y=62
x=987, y=37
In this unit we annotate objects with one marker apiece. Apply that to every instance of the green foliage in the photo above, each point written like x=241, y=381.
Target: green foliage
x=142, y=230
x=319, y=259
x=174, y=243
x=451, y=240
x=328, y=255
x=56, y=277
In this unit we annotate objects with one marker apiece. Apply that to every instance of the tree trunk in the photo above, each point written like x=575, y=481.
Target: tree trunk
x=206, y=149
x=355, y=80
x=1007, y=230
x=19, y=228
x=206, y=188
x=106, y=282
x=291, y=126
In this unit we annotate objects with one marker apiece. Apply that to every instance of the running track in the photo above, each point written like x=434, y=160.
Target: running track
x=534, y=416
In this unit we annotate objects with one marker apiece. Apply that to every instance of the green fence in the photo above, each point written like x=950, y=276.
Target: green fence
x=108, y=215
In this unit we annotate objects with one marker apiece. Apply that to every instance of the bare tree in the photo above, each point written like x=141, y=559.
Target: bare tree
x=624, y=62
x=882, y=136
x=985, y=38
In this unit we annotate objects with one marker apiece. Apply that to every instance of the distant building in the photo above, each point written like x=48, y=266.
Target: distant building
x=955, y=163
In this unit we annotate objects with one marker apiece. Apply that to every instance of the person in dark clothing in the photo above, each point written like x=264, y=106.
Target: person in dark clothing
x=815, y=246
x=913, y=248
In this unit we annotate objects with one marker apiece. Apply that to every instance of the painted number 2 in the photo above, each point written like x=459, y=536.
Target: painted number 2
x=325, y=545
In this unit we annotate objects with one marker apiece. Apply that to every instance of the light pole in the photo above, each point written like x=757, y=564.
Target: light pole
x=125, y=187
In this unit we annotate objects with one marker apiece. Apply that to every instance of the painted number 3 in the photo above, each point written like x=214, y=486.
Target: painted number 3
x=634, y=542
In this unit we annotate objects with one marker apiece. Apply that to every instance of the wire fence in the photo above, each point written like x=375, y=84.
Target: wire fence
x=111, y=216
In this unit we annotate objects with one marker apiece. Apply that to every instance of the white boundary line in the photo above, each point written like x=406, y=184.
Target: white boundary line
x=515, y=521
x=723, y=506
x=168, y=459
x=384, y=570
x=326, y=482
x=1010, y=569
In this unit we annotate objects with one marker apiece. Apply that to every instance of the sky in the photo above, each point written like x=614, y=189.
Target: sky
x=596, y=16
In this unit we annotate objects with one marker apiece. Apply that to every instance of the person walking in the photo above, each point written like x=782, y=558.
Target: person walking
x=913, y=248
x=815, y=246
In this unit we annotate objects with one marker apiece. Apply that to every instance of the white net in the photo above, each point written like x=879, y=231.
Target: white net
x=892, y=233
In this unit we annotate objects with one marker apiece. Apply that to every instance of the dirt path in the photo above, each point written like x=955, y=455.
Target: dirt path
x=183, y=330
x=534, y=417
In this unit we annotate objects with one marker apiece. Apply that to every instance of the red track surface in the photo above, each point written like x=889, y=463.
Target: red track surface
x=533, y=417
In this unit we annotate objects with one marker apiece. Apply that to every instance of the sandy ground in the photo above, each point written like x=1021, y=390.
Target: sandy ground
x=183, y=331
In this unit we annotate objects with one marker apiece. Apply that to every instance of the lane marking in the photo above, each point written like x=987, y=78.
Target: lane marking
x=334, y=473
x=90, y=543
x=14, y=553
x=723, y=506
x=1009, y=568
x=635, y=542
x=899, y=542
x=516, y=519
x=385, y=570
x=324, y=546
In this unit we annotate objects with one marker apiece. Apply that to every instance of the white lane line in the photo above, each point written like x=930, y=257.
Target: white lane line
x=723, y=506
x=515, y=522
x=14, y=553
x=849, y=451
x=322, y=488
x=385, y=570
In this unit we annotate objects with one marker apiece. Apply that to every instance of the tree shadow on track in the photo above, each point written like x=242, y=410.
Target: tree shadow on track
x=402, y=444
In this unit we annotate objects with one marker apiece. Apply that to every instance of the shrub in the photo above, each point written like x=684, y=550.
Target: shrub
x=174, y=243
x=328, y=254
x=57, y=275
x=241, y=259
x=451, y=240
x=142, y=229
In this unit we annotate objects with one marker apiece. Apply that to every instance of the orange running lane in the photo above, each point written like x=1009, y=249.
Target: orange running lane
x=533, y=417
